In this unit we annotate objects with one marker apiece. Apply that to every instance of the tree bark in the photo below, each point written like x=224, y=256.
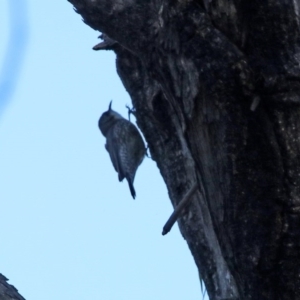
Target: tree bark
x=7, y=291
x=193, y=70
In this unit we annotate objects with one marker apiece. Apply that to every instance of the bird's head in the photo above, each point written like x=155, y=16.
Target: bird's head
x=108, y=119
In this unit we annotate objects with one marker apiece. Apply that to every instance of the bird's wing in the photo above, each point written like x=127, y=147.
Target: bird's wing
x=114, y=147
x=137, y=147
x=108, y=147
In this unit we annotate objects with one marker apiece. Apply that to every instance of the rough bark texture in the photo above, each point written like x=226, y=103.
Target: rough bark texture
x=7, y=291
x=193, y=69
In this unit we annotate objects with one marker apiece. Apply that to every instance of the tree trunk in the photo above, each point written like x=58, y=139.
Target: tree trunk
x=215, y=85
x=7, y=291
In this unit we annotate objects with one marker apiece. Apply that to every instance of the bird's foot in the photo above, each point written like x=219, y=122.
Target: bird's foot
x=130, y=111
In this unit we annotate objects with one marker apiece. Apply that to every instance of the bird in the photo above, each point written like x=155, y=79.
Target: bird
x=124, y=144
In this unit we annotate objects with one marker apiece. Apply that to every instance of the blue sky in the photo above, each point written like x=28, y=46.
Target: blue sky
x=69, y=229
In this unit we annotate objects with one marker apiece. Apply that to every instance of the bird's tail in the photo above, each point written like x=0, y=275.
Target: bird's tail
x=132, y=190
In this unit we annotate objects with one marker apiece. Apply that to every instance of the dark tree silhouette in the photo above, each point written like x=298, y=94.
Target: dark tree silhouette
x=215, y=85
x=7, y=291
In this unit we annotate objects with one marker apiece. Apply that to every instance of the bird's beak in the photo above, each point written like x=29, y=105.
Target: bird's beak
x=109, y=107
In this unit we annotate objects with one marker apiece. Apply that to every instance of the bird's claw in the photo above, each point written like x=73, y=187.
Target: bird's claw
x=130, y=111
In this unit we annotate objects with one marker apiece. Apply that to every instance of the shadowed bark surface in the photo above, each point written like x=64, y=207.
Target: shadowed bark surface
x=193, y=69
x=7, y=291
